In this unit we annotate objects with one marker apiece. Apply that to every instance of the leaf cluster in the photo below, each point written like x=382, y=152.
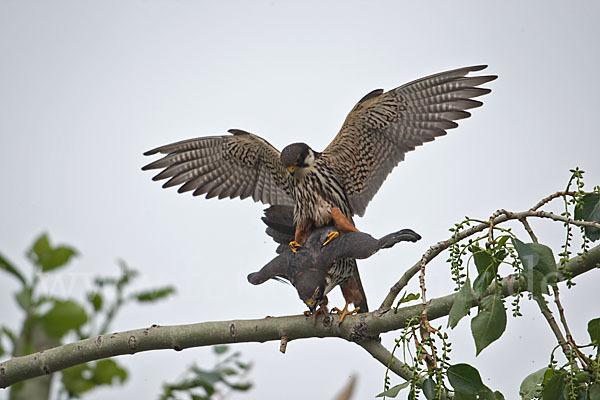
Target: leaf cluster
x=50, y=320
x=535, y=271
x=228, y=375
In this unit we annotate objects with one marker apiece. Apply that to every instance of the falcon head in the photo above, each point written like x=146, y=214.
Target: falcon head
x=297, y=155
x=310, y=285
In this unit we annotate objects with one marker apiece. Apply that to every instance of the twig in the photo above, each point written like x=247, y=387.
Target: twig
x=283, y=344
x=553, y=326
x=561, y=312
x=426, y=328
x=553, y=196
x=527, y=227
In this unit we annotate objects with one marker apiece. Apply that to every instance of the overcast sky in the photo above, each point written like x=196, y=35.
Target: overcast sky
x=86, y=87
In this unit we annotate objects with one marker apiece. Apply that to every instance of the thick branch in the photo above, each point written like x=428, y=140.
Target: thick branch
x=358, y=329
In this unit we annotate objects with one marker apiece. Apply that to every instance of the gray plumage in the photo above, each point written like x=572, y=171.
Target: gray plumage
x=311, y=266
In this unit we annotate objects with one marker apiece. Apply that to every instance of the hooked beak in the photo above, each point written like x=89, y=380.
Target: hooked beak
x=291, y=169
x=311, y=305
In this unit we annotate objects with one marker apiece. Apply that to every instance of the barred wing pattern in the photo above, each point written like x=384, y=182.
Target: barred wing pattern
x=237, y=165
x=382, y=127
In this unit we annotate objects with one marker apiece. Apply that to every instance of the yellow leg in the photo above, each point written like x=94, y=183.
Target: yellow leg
x=330, y=237
x=295, y=246
x=320, y=310
x=345, y=311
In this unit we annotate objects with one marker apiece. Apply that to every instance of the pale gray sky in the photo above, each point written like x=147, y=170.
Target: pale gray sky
x=87, y=86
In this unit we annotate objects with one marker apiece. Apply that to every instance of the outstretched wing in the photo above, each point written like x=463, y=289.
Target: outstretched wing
x=382, y=127
x=237, y=165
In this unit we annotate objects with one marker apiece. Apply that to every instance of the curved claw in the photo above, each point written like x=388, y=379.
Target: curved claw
x=345, y=311
x=331, y=236
x=294, y=246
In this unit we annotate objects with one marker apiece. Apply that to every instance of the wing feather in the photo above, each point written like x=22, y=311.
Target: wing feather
x=383, y=127
x=237, y=165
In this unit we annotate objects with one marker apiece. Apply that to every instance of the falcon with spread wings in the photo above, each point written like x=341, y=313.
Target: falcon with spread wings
x=339, y=182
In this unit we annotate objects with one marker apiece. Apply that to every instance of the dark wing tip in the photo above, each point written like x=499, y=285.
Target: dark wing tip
x=474, y=68
x=254, y=279
x=153, y=165
x=151, y=152
x=234, y=131
x=370, y=95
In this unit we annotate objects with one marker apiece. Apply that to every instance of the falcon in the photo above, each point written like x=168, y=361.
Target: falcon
x=339, y=182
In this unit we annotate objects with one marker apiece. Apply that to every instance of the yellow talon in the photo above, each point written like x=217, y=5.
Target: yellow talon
x=295, y=246
x=320, y=310
x=330, y=237
x=345, y=311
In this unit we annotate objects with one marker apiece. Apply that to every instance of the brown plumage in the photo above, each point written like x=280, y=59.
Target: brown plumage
x=377, y=133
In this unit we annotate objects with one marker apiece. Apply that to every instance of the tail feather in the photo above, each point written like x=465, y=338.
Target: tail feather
x=280, y=224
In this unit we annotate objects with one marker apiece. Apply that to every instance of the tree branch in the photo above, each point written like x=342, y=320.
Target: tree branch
x=497, y=218
x=360, y=329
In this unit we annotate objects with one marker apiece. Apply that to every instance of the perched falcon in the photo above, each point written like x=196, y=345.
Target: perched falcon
x=311, y=270
x=338, y=182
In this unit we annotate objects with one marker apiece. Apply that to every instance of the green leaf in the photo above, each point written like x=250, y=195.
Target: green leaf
x=154, y=294
x=23, y=298
x=11, y=269
x=206, y=378
x=531, y=387
x=490, y=322
x=487, y=267
x=465, y=379
x=406, y=297
x=483, y=259
x=538, y=264
x=393, y=391
x=47, y=257
x=535, y=282
x=464, y=396
x=498, y=395
x=529, y=258
x=242, y=387
x=74, y=381
x=228, y=371
x=501, y=242
x=429, y=388
x=63, y=317
x=82, y=378
x=553, y=389
x=220, y=349
x=546, y=264
x=547, y=376
x=242, y=365
x=462, y=304
x=589, y=210
x=594, y=391
x=105, y=371
x=96, y=300
x=594, y=331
